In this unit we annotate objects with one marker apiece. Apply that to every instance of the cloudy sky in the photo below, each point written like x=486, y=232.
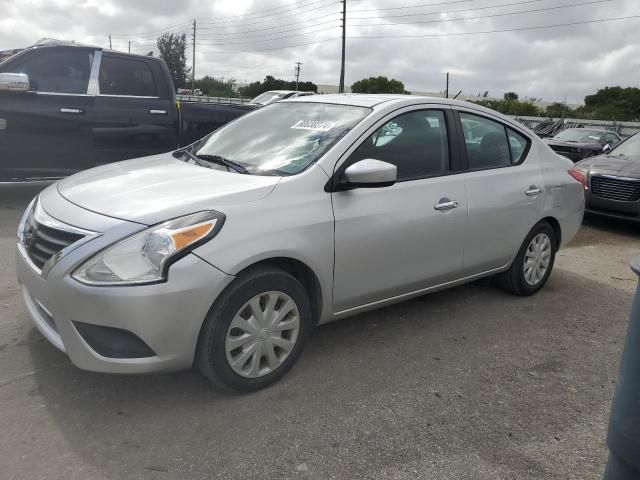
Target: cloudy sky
x=415, y=41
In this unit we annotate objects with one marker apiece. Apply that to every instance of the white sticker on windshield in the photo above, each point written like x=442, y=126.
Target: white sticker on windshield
x=316, y=125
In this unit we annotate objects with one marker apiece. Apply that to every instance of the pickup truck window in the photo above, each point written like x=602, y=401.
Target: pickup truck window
x=64, y=71
x=123, y=76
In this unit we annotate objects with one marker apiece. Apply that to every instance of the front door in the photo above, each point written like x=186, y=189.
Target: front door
x=46, y=132
x=410, y=236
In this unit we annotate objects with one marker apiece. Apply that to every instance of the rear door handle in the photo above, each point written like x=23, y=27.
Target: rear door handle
x=73, y=111
x=449, y=205
x=533, y=191
x=157, y=112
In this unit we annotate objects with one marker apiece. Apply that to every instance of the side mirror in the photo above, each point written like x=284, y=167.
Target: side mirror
x=14, y=82
x=370, y=173
x=606, y=148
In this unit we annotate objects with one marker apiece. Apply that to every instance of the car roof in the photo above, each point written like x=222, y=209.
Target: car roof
x=374, y=99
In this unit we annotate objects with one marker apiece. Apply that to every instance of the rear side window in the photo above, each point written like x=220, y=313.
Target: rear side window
x=490, y=144
x=123, y=76
x=415, y=142
x=57, y=71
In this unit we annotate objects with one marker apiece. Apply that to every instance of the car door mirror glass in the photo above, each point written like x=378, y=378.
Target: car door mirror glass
x=606, y=148
x=14, y=82
x=371, y=173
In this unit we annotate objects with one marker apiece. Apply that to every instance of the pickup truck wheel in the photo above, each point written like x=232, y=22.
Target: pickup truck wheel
x=532, y=266
x=255, y=331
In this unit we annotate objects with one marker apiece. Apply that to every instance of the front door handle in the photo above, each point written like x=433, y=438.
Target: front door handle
x=445, y=205
x=533, y=191
x=73, y=111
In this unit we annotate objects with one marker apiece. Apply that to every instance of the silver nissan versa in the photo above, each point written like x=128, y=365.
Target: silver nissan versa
x=226, y=254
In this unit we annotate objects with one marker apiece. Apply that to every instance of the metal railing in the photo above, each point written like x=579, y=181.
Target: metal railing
x=205, y=99
x=555, y=125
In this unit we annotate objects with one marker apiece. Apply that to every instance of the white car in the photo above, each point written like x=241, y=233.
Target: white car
x=226, y=254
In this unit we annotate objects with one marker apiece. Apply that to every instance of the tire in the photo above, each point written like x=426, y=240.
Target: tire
x=515, y=279
x=217, y=356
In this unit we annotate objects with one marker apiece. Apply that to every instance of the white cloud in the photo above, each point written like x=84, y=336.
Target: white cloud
x=556, y=63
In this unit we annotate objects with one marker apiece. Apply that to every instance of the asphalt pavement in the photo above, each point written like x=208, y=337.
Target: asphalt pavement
x=470, y=383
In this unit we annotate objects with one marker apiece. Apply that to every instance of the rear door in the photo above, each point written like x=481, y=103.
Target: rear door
x=505, y=190
x=47, y=131
x=136, y=113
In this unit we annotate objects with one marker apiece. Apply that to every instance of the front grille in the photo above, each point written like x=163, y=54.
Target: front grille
x=42, y=242
x=616, y=189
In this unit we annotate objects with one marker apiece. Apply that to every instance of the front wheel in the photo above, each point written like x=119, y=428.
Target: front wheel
x=255, y=331
x=533, y=264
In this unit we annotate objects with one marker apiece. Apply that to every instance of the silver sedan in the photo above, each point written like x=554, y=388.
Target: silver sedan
x=227, y=253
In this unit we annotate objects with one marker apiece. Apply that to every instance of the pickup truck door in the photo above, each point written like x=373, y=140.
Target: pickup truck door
x=46, y=132
x=136, y=113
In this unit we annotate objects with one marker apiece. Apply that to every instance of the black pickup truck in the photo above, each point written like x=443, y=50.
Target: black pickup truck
x=66, y=108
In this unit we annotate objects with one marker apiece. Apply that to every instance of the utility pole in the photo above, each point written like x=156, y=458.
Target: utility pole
x=193, y=64
x=447, y=90
x=110, y=46
x=298, y=65
x=129, y=46
x=344, y=38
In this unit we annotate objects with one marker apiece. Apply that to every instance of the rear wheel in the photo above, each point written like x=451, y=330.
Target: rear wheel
x=533, y=264
x=255, y=331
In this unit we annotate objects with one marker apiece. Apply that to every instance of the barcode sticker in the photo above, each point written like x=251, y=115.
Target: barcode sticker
x=316, y=125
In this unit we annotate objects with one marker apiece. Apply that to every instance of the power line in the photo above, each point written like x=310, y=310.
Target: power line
x=212, y=25
x=279, y=29
x=285, y=7
x=571, y=5
x=459, y=10
x=519, y=29
x=274, y=48
x=179, y=25
x=269, y=39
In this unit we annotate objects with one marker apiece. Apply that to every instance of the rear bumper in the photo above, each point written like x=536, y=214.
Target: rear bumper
x=167, y=316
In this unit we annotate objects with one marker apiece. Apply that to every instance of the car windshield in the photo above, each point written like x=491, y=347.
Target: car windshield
x=283, y=138
x=579, y=135
x=269, y=97
x=628, y=148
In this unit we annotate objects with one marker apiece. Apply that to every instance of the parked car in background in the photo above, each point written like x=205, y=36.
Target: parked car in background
x=274, y=95
x=68, y=107
x=612, y=181
x=579, y=143
x=228, y=252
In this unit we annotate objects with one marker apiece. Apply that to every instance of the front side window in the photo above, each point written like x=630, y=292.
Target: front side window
x=490, y=144
x=123, y=76
x=282, y=138
x=56, y=71
x=415, y=142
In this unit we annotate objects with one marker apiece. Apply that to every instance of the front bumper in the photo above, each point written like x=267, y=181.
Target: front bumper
x=613, y=208
x=166, y=316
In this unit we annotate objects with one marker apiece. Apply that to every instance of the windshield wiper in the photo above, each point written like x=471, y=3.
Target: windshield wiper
x=207, y=160
x=223, y=161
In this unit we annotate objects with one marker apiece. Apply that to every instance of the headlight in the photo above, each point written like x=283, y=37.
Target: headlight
x=145, y=257
x=23, y=220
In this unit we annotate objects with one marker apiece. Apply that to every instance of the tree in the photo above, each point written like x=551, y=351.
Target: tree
x=378, y=85
x=512, y=107
x=271, y=83
x=613, y=103
x=511, y=96
x=214, y=87
x=559, y=110
x=172, y=49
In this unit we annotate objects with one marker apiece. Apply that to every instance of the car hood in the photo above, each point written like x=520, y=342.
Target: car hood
x=613, y=165
x=153, y=189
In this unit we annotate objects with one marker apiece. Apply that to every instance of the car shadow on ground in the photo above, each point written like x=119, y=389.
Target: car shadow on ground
x=470, y=370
